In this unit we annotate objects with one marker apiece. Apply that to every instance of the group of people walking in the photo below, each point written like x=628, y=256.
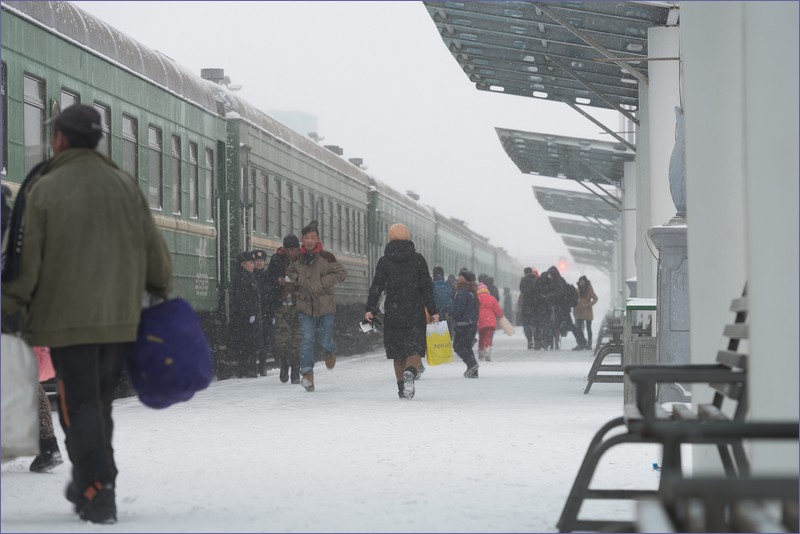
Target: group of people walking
x=547, y=302
x=285, y=309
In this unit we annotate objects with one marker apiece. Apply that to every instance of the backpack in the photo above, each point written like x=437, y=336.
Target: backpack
x=171, y=358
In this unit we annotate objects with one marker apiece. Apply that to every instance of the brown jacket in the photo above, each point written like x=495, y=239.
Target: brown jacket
x=314, y=282
x=584, y=308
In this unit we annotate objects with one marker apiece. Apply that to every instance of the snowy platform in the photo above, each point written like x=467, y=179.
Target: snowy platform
x=496, y=454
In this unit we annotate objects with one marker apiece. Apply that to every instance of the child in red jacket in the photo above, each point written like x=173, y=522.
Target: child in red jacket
x=488, y=313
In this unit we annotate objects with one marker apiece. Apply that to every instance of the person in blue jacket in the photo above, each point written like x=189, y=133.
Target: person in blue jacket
x=465, y=316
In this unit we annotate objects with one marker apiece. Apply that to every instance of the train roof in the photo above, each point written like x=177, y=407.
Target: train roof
x=239, y=108
x=103, y=40
x=405, y=200
x=459, y=226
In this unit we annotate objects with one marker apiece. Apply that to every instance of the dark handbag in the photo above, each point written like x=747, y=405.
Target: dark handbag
x=171, y=359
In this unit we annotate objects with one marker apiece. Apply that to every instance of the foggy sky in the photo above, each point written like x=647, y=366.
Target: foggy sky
x=384, y=87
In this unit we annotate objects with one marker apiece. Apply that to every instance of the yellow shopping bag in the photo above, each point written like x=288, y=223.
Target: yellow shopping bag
x=439, y=347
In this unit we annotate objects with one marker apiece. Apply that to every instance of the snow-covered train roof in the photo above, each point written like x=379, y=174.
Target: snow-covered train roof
x=459, y=227
x=405, y=200
x=105, y=41
x=237, y=107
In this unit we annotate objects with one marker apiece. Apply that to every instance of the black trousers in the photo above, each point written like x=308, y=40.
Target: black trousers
x=87, y=377
x=463, y=340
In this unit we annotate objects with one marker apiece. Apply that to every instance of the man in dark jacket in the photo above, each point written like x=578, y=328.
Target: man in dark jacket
x=286, y=346
x=443, y=295
x=528, y=303
x=246, y=329
x=265, y=292
x=86, y=248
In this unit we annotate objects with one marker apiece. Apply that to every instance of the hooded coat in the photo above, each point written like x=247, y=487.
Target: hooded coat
x=489, y=310
x=403, y=274
x=583, y=310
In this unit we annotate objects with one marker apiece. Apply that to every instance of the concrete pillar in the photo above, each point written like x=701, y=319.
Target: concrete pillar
x=672, y=342
x=770, y=70
x=740, y=67
x=645, y=261
x=628, y=223
x=663, y=97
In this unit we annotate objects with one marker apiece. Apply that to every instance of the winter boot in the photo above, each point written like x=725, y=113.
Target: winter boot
x=100, y=505
x=308, y=381
x=530, y=344
x=284, y=376
x=472, y=370
x=420, y=371
x=49, y=456
x=481, y=354
x=74, y=495
x=488, y=354
x=400, y=384
x=408, y=382
x=295, y=375
x=330, y=359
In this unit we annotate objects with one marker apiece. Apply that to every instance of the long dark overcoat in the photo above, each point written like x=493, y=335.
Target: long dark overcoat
x=403, y=274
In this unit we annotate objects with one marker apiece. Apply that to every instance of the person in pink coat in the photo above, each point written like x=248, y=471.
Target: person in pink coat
x=488, y=313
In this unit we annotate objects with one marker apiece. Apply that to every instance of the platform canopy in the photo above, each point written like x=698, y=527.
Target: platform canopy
x=579, y=53
x=558, y=156
x=576, y=203
x=586, y=229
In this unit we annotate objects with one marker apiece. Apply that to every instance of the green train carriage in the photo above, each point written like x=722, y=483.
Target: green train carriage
x=279, y=181
x=161, y=123
x=387, y=207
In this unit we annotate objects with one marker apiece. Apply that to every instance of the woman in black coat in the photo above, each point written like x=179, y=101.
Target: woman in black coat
x=403, y=274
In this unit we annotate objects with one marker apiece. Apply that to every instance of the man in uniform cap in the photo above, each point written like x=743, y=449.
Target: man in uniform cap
x=246, y=327
x=286, y=336
x=264, y=292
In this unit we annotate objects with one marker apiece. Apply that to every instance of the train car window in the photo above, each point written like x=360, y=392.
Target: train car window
x=33, y=120
x=360, y=233
x=337, y=236
x=104, y=146
x=346, y=232
x=154, y=168
x=209, y=184
x=301, y=206
x=194, y=186
x=130, y=146
x=5, y=116
x=297, y=203
x=69, y=98
x=330, y=222
x=177, y=178
x=263, y=203
x=254, y=200
x=320, y=216
x=278, y=208
x=288, y=208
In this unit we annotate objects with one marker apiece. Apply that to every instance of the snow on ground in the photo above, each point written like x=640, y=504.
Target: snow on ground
x=496, y=454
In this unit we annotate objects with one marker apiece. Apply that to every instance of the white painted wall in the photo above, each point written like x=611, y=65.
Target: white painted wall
x=771, y=169
x=740, y=70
